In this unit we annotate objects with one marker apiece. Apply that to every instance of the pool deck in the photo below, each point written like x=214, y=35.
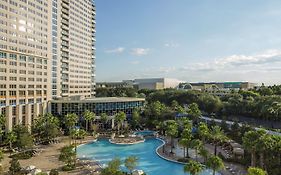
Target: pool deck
x=231, y=168
x=48, y=159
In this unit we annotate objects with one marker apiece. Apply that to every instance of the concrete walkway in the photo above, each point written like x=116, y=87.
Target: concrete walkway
x=231, y=168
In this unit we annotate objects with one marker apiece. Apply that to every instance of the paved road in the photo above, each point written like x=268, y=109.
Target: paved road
x=240, y=124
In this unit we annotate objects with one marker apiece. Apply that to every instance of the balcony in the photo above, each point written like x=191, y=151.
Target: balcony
x=65, y=16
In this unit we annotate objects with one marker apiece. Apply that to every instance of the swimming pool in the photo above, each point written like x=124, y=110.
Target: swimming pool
x=149, y=161
x=144, y=133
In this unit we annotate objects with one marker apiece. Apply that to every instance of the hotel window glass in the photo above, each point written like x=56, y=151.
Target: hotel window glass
x=3, y=55
x=13, y=78
x=13, y=102
x=13, y=56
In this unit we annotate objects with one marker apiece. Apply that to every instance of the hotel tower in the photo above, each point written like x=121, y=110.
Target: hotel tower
x=47, y=50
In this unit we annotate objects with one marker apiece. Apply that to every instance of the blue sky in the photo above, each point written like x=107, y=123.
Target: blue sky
x=191, y=40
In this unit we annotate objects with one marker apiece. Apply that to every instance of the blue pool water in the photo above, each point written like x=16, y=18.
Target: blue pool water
x=149, y=161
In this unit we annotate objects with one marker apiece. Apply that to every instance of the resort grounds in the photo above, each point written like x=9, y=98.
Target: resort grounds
x=47, y=158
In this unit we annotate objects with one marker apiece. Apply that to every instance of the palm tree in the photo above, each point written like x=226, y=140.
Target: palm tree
x=217, y=135
x=264, y=143
x=11, y=138
x=193, y=167
x=194, y=111
x=131, y=162
x=204, y=153
x=88, y=116
x=184, y=142
x=203, y=131
x=197, y=145
x=215, y=163
x=120, y=118
x=104, y=119
x=250, y=140
x=186, y=137
x=70, y=121
x=172, y=131
x=256, y=171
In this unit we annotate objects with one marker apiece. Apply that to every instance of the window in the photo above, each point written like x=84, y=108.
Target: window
x=13, y=78
x=3, y=55
x=13, y=56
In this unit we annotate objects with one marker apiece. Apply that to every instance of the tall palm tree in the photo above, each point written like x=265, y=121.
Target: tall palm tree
x=70, y=121
x=250, y=140
x=186, y=137
x=120, y=118
x=193, y=167
x=104, y=119
x=217, y=135
x=172, y=131
x=264, y=143
x=194, y=111
x=204, y=153
x=184, y=142
x=215, y=163
x=197, y=145
x=88, y=116
x=203, y=131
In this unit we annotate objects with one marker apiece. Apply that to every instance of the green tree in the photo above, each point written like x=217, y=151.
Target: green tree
x=14, y=166
x=104, y=119
x=194, y=111
x=197, y=145
x=250, y=140
x=256, y=171
x=11, y=138
x=24, y=138
x=193, y=167
x=172, y=131
x=131, y=162
x=217, y=135
x=185, y=140
x=88, y=116
x=2, y=125
x=264, y=144
x=68, y=156
x=71, y=120
x=135, y=118
x=203, y=131
x=113, y=168
x=215, y=163
x=46, y=127
x=204, y=153
x=120, y=118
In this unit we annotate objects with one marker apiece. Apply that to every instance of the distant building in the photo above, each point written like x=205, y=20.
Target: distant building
x=146, y=83
x=122, y=84
x=156, y=83
x=217, y=88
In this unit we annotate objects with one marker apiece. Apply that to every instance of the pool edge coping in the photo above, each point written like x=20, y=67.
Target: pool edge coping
x=171, y=160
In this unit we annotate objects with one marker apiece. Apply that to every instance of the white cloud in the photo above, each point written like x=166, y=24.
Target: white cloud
x=171, y=44
x=140, y=51
x=116, y=50
x=135, y=62
x=238, y=62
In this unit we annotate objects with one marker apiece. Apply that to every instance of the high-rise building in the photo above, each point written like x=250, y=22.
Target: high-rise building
x=46, y=50
x=73, y=61
x=25, y=59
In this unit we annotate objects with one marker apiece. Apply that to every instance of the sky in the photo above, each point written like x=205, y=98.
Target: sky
x=190, y=40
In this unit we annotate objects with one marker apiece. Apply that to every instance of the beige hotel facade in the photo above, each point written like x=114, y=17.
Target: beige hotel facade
x=47, y=51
